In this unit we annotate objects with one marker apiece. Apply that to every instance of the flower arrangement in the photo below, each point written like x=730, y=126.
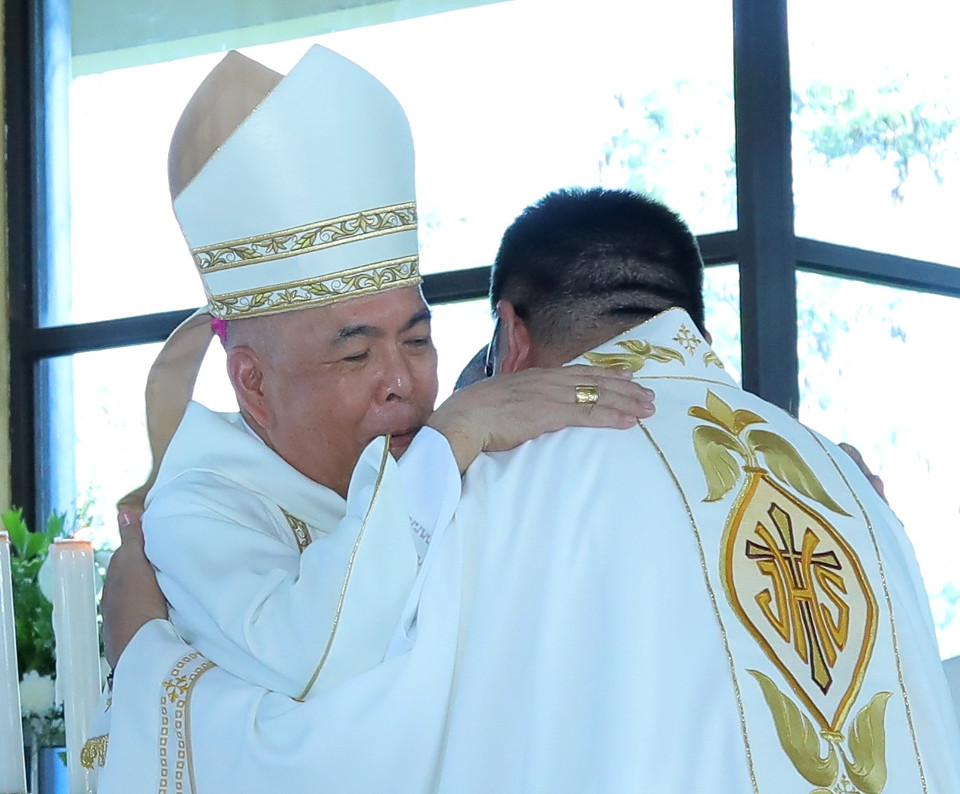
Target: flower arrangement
x=33, y=614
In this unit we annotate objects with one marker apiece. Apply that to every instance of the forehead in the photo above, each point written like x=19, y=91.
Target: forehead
x=386, y=311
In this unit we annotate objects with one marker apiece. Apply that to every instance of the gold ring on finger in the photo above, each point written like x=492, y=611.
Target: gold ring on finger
x=586, y=395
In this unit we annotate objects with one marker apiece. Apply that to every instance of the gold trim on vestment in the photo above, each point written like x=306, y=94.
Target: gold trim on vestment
x=346, y=580
x=705, y=570
x=886, y=594
x=301, y=532
x=94, y=752
x=175, y=714
x=307, y=238
x=317, y=291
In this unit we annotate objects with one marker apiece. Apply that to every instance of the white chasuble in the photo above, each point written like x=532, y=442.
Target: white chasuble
x=712, y=602
x=716, y=601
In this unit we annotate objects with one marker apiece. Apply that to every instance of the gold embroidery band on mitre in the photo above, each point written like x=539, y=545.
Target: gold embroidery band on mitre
x=319, y=291
x=306, y=238
x=94, y=752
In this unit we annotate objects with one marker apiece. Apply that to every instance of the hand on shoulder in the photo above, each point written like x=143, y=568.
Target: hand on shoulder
x=507, y=410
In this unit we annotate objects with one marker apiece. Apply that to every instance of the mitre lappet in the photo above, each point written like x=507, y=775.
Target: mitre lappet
x=292, y=192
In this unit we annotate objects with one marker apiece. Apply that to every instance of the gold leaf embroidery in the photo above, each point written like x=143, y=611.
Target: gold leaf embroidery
x=712, y=358
x=785, y=463
x=780, y=457
x=798, y=737
x=638, y=353
x=309, y=237
x=868, y=770
x=722, y=413
x=317, y=292
x=94, y=752
x=713, y=446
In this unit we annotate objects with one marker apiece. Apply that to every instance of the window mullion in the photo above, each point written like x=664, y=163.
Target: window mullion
x=766, y=244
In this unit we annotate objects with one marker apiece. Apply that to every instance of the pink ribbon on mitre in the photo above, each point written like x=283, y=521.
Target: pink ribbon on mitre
x=219, y=327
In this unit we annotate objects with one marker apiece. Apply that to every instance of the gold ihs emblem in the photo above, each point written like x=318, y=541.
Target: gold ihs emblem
x=800, y=590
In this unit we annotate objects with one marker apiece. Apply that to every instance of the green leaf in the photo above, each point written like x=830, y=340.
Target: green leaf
x=798, y=737
x=713, y=446
x=785, y=463
x=17, y=528
x=55, y=522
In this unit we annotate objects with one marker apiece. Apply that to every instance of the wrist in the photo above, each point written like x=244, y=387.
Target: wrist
x=464, y=446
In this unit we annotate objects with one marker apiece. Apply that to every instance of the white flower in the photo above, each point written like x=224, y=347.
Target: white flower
x=36, y=693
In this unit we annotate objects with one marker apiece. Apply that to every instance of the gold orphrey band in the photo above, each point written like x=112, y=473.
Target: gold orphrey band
x=305, y=239
x=320, y=291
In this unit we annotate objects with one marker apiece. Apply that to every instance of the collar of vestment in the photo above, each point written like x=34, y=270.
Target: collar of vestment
x=668, y=345
x=219, y=444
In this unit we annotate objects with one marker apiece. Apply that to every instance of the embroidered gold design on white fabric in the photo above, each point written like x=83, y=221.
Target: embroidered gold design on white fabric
x=638, y=353
x=301, y=532
x=801, y=591
x=893, y=628
x=346, y=579
x=319, y=291
x=727, y=433
x=176, y=772
x=94, y=752
x=687, y=339
x=711, y=358
x=307, y=238
x=708, y=584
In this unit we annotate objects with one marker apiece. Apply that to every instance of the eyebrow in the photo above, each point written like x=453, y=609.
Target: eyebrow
x=349, y=332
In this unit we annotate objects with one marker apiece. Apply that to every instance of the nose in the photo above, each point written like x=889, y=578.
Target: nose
x=396, y=378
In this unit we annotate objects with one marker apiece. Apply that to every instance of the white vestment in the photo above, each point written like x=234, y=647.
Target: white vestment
x=714, y=601
x=275, y=577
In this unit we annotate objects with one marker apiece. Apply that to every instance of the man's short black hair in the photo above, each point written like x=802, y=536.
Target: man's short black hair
x=582, y=260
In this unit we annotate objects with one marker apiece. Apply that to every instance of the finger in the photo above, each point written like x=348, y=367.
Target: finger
x=588, y=370
x=131, y=532
x=623, y=396
x=618, y=378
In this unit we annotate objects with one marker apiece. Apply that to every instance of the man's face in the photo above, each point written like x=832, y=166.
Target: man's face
x=347, y=373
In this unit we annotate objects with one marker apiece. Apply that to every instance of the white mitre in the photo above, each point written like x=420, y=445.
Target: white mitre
x=292, y=192
x=309, y=200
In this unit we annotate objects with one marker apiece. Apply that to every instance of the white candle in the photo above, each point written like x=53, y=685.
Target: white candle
x=13, y=778
x=78, y=650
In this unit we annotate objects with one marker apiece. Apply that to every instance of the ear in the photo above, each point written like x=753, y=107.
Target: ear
x=515, y=342
x=246, y=374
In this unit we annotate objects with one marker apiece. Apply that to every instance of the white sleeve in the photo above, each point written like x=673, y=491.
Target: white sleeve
x=431, y=480
x=133, y=757
x=257, y=607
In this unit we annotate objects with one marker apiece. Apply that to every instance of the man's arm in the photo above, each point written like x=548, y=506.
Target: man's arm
x=131, y=596
x=507, y=410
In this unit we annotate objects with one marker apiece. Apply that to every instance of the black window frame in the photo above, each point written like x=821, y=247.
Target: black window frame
x=764, y=244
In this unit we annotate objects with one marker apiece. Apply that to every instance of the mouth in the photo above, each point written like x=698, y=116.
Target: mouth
x=399, y=441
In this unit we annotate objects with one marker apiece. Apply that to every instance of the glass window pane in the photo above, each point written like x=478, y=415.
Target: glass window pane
x=569, y=98
x=721, y=295
x=459, y=331
x=876, y=143
x=94, y=445
x=872, y=374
